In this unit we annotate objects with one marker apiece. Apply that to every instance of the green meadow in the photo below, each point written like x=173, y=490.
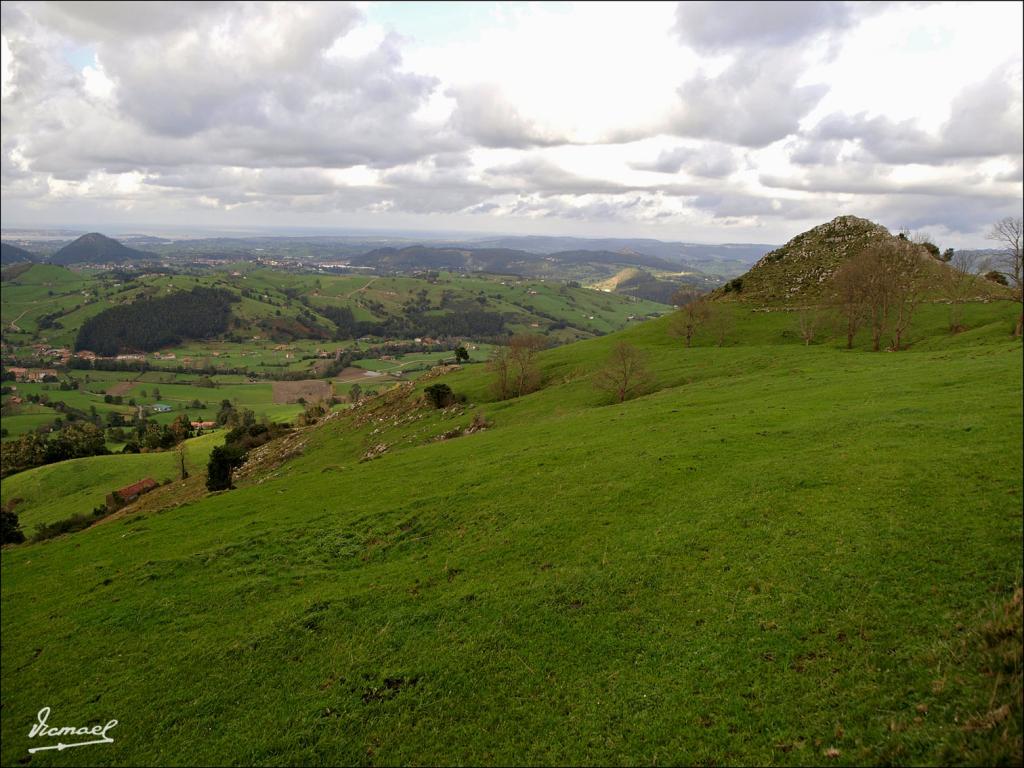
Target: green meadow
x=778, y=555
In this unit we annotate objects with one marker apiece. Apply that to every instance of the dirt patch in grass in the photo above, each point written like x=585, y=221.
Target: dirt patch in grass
x=121, y=388
x=358, y=374
x=311, y=391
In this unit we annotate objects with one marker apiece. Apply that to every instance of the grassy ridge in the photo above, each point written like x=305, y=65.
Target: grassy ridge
x=781, y=551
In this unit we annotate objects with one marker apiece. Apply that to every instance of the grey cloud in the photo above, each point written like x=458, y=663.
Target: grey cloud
x=534, y=174
x=964, y=215
x=227, y=96
x=116, y=19
x=711, y=161
x=719, y=26
x=985, y=121
x=874, y=179
x=803, y=151
x=753, y=103
x=729, y=205
x=485, y=116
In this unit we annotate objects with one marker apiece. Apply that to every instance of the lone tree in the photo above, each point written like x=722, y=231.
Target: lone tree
x=688, y=318
x=808, y=321
x=515, y=367
x=720, y=322
x=1007, y=232
x=461, y=355
x=624, y=374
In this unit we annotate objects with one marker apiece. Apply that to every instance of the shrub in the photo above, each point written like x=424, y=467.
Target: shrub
x=439, y=395
x=223, y=461
x=10, y=528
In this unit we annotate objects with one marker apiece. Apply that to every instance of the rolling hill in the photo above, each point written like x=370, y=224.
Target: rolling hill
x=779, y=554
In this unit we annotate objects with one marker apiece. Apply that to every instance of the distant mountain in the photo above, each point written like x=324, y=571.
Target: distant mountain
x=722, y=259
x=498, y=260
x=95, y=248
x=12, y=254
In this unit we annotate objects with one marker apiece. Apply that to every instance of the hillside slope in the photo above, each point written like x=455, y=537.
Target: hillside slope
x=783, y=554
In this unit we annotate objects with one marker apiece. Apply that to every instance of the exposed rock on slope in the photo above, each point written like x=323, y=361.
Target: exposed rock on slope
x=799, y=270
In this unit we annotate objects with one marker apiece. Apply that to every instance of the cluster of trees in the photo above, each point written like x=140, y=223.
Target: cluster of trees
x=415, y=322
x=151, y=436
x=515, y=366
x=151, y=323
x=880, y=288
x=74, y=441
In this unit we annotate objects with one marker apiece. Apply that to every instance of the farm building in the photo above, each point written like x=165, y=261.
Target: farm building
x=32, y=374
x=203, y=424
x=130, y=493
x=162, y=408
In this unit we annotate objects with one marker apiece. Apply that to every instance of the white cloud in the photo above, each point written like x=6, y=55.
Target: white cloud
x=702, y=121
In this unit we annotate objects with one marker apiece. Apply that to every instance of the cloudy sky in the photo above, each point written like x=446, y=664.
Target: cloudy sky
x=706, y=122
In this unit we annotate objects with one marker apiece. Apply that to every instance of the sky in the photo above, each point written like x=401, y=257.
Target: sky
x=694, y=121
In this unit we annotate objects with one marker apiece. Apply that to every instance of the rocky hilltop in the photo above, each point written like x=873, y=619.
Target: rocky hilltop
x=799, y=270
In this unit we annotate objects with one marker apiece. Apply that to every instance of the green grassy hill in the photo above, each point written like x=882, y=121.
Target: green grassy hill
x=782, y=554
x=48, y=302
x=74, y=487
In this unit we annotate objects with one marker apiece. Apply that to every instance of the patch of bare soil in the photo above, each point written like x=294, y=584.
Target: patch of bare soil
x=311, y=391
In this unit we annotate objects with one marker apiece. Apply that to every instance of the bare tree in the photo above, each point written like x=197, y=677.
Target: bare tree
x=524, y=349
x=808, y=322
x=850, y=295
x=500, y=365
x=1007, y=232
x=958, y=281
x=515, y=366
x=877, y=290
x=688, y=318
x=720, y=322
x=907, y=275
x=881, y=286
x=624, y=374
x=183, y=470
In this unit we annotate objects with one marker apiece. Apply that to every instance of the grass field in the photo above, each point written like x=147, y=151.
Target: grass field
x=780, y=555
